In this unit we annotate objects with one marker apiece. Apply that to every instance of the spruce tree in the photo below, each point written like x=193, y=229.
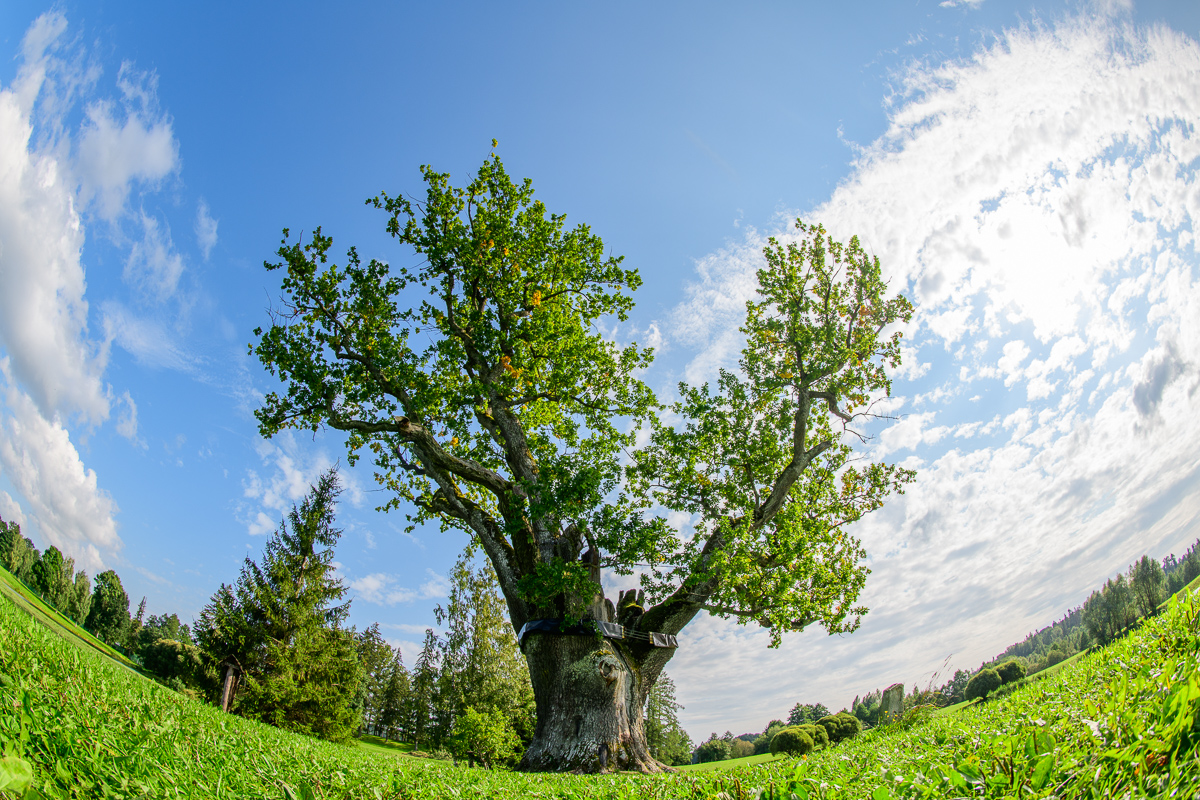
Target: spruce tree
x=421, y=716
x=396, y=700
x=282, y=622
x=376, y=657
x=666, y=738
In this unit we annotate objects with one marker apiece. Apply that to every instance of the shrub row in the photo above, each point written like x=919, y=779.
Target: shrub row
x=988, y=680
x=801, y=739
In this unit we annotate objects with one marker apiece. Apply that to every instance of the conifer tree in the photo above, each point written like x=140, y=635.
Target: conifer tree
x=396, y=701
x=283, y=623
x=666, y=738
x=421, y=716
x=376, y=657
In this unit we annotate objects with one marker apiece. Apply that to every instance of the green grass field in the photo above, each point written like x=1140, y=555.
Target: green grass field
x=374, y=744
x=1124, y=721
x=732, y=763
x=26, y=599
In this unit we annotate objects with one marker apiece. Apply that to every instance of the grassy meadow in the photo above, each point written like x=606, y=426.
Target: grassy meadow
x=1123, y=721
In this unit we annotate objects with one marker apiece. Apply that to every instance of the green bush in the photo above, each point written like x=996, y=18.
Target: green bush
x=792, y=741
x=984, y=681
x=176, y=663
x=741, y=748
x=713, y=750
x=1011, y=671
x=840, y=726
x=762, y=744
x=817, y=733
x=486, y=737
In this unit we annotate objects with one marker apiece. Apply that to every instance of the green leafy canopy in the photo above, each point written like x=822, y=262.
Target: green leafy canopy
x=480, y=380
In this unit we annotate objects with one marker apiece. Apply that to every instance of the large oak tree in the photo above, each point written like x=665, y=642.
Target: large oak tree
x=491, y=401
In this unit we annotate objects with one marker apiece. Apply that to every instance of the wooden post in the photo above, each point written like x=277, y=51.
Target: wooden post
x=232, y=672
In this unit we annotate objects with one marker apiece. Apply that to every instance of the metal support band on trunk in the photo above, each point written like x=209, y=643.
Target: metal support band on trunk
x=588, y=627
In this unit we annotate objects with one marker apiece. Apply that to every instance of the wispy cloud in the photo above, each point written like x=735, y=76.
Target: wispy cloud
x=383, y=589
x=1039, y=203
x=206, y=230
x=125, y=142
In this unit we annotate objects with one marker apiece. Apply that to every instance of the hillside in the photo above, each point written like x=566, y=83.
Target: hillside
x=1117, y=720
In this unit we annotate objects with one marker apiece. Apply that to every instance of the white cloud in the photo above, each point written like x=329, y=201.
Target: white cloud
x=1010, y=362
x=147, y=339
x=1039, y=200
x=909, y=433
x=383, y=589
x=52, y=368
x=153, y=266
x=123, y=145
x=405, y=627
x=294, y=471
x=43, y=313
x=127, y=424
x=69, y=508
x=10, y=510
x=206, y=229
x=708, y=319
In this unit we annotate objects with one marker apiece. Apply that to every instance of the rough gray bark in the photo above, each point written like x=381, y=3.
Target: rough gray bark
x=590, y=697
x=591, y=692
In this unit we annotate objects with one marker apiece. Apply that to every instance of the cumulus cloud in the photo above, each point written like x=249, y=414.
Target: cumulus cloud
x=43, y=312
x=50, y=174
x=1039, y=201
x=383, y=589
x=125, y=142
x=71, y=510
x=10, y=510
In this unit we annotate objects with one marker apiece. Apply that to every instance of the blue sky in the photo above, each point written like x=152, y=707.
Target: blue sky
x=1026, y=173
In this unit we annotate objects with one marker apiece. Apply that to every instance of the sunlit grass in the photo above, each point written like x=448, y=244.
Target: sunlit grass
x=731, y=763
x=1114, y=723
x=25, y=598
x=374, y=744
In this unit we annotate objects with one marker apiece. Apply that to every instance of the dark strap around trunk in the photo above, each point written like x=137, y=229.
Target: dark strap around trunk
x=588, y=627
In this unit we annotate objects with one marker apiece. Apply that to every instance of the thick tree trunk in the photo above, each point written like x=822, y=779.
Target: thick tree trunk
x=590, y=695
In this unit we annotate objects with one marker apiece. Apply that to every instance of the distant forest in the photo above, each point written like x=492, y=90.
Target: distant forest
x=1120, y=604
x=1106, y=614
